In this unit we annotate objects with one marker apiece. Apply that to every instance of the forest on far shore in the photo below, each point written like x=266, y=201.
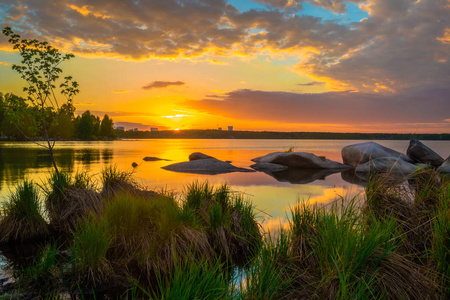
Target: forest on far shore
x=20, y=121
x=222, y=134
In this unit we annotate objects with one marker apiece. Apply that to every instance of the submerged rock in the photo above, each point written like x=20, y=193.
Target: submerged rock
x=423, y=154
x=151, y=158
x=210, y=166
x=300, y=160
x=389, y=165
x=356, y=154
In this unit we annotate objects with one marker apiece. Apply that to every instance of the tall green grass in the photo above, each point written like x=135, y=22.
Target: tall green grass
x=91, y=241
x=202, y=280
x=21, y=216
x=43, y=276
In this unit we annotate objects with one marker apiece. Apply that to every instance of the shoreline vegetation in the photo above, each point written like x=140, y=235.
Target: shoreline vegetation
x=222, y=134
x=119, y=240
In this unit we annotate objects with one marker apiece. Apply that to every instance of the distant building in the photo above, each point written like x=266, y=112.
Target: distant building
x=153, y=129
x=135, y=129
x=220, y=128
x=120, y=128
x=230, y=128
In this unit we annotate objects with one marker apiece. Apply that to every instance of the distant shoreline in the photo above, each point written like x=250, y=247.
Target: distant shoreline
x=222, y=134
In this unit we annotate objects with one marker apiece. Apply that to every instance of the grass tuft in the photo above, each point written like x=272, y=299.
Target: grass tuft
x=21, y=216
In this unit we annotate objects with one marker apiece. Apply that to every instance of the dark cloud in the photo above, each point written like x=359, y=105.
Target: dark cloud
x=312, y=83
x=162, y=84
x=427, y=106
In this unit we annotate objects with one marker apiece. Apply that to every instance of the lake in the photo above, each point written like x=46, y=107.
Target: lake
x=272, y=196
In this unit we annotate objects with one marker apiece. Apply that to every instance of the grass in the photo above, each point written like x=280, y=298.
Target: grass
x=91, y=241
x=202, y=280
x=21, y=216
x=394, y=245
x=43, y=275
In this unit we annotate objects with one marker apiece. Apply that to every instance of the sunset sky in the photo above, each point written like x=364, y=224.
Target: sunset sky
x=276, y=65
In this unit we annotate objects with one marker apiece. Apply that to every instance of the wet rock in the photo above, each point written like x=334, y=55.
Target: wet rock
x=268, y=167
x=356, y=154
x=300, y=160
x=445, y=167
x=134, y=165
x=210, y=166
x=151, y=158
x=423, y=154
x=198, y=155
x=389, y=165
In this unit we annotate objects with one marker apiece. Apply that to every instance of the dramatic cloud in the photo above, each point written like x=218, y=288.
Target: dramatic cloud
x=162, y=84
x=429, y=106
x=402, y=44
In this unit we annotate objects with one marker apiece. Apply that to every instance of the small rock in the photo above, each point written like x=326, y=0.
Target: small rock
x=198, y=155
x=151, y=158
x=134, y=165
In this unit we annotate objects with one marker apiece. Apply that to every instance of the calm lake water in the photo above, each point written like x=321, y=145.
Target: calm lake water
x=273, y=196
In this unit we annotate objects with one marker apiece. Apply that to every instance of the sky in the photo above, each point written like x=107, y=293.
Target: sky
x=265, y=65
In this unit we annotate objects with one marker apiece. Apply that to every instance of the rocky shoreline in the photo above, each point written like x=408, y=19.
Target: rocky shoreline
x=360, y=158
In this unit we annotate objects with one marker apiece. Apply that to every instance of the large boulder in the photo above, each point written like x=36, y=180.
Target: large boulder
x=302, y=160
x=356, y=154
x=210, y=166
x=422, y=154
x=389, y=165
x=445, y=167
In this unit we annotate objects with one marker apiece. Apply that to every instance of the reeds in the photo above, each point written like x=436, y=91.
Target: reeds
x=21, y=216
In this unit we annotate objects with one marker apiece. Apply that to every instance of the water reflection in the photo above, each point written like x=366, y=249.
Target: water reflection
x=18, y=163
x=350, y=176
x=301, y=176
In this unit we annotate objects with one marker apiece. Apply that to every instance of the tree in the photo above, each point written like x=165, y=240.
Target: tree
x=39, y=67
x=88, y=126
x=106, y=127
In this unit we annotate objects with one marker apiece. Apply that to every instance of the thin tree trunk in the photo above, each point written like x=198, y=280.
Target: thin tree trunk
x=50, y=148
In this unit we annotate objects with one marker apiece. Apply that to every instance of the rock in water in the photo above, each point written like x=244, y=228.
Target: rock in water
x=198, y=155
x=134, y=165
x=209, y=166
x=356, y=154
x=302, y=160
x=423, y=154
x=445, y=167
x=387, y=165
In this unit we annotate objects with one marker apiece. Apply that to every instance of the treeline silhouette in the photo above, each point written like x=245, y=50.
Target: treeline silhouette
x=20, y=121
x=222, y=134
